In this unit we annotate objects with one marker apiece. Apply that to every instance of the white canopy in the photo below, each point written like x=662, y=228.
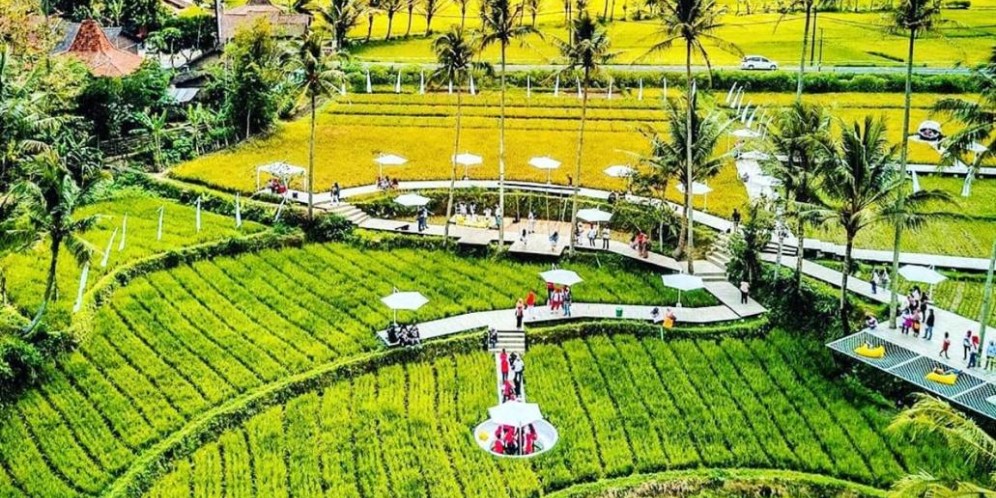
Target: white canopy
x=682, y=281
x=915, y=273
x=620, y=171
x=544, y=162
x=745, y=133
x=467, y=159
x=561, y=277
x=390, y=160
x=405, y=300
x=515, y=413
x=594, y=215
x=765, y=181
x=410, y=200
x=755, y=155
x=697, y=188
x=279, y=169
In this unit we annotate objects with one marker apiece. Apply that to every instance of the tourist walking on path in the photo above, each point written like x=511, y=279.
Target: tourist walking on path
x=532, y=222
x=336, y=193
x=531, y=304
x=885, y=279
x=966, y=344
x=592, y=235
x=554, y=238
x=736, y=220
x=928, y=331
x=519, y=368
x=744, y=291
x=874, y=281
x=946, y=345
x=605, y=238
x=567, y=298
x=973, y=356
x=503, y=362
x=990, y=354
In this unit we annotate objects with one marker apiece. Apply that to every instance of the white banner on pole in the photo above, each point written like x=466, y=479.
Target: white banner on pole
x=639, y=94
x=198, y=220
x=421, y=83
x=107, y=252
x=159, y=230
x=79, y=292
x=369, y=83
x=238, y=211
x=473, y=91
x=529, y=87
x=397, y=84
x=124, y=233
x=556, y=86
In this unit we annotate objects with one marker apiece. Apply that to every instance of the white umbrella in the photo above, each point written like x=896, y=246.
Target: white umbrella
x=515, y=413
x=467, y=160
x=915, y=273
x=404, y=301
x=745, y=133
x=545, y=162
x=697, y=189
x=619, y=171
x=682, y=282
x=410, y=200
x=388, y=160
x=561, y=277
x=594, y=215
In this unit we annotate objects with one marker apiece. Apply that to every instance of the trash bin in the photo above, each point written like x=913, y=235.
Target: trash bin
x=619, y=312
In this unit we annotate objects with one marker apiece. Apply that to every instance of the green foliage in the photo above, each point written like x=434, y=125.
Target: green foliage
x=20, y=365
x=109, y=104
x=251, y=84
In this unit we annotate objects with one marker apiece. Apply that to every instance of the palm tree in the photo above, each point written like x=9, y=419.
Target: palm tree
x=501, y=23
x=668, y=155
x=54, y=187
x=798, y=133
x=341, y=16
x=916, y=17
x=809, y=7
x=319, y=75
x=693, y=22
x=932, y=417
x=586, y=52
x=454, y=56
x=978, y=120
x=859, y=184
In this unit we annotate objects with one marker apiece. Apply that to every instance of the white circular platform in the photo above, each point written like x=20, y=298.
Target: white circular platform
x=547, y=437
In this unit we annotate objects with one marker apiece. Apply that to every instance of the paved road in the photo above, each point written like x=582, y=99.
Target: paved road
x=679, y=68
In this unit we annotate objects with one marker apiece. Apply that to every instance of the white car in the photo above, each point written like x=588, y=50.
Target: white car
x=752, y=62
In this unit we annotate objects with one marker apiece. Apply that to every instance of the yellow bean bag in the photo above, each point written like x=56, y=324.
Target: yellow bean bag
x=870, y=352
x=947, y=379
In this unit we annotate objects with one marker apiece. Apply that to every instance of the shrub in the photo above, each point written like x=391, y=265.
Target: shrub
x=958, y=4
x=20, y=365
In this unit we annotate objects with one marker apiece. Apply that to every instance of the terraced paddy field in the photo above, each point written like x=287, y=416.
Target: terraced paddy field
x=173, y=345
x=354, y=129
x=623, y=405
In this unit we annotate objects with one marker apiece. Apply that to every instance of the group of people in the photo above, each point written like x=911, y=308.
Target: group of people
x=510, y=440
x=592, y=233
x=387, y=183
x=422, y=218
x=972, y=350
x=276, y=186
x=468, y=211
x=558, y=298
x=880, y=278
x=514, y=364
x=404, y=335
x=667, y=320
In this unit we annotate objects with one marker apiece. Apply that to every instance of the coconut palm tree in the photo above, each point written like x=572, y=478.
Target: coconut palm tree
x=798, y=133
x=341, y=16
x=501, y=24
x=692, y=22
x=932, y=417
x=858, y=187
x=319, y=73
x=154, y=125
x=454, y=57
x=668, y=155
x=586, y=52
x=56, y=183
x=978, y=121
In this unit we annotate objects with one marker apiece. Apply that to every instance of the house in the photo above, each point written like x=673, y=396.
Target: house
x=284, y=24
x=91, y=45
x=117, y=37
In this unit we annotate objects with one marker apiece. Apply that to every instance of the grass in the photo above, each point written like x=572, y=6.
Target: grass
x=623, y=405
x=26, y=272
x=173, y=344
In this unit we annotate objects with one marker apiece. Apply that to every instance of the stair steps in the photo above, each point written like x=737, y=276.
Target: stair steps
x=510, y=340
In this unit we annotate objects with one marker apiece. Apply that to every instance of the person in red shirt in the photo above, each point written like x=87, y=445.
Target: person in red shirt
x=530, y=304
x=508, y=392
x=531, y=436
x=498, y=447
x=503, y=361
x=549, y=289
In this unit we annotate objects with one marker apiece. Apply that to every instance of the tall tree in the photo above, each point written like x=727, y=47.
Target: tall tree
x=310, y=57
x=341, y=16
x=585, y=53
x=858, y=187
x=463, y=12
x=932, y=417
x=915, y=17
x=693, y=22
x=56, y=183
x=501, y=24
x=978, y=124
x=454, y=57
x=391, y=8
x=798, y=133
x=429, y=9
x=372, y=8
x=252, y=78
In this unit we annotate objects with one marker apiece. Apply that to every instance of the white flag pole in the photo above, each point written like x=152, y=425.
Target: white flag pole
x=238, y=211
x=198, y=220
x=421, y=83
x=124, y=232
x=397, y=84
x=107, y=252
x=159, y=231
x=578, y=80
x=451, y=87
x=556, y=86
x=729, y=95
x=610, y=90
x=665, y=88
x=342, y=91
x=639, y=94
x=369, y=83
x=473, y=91
x=529, y=87
x=79, y=292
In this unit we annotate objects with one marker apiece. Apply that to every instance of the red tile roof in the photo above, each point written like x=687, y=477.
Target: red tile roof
x=102, y=58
